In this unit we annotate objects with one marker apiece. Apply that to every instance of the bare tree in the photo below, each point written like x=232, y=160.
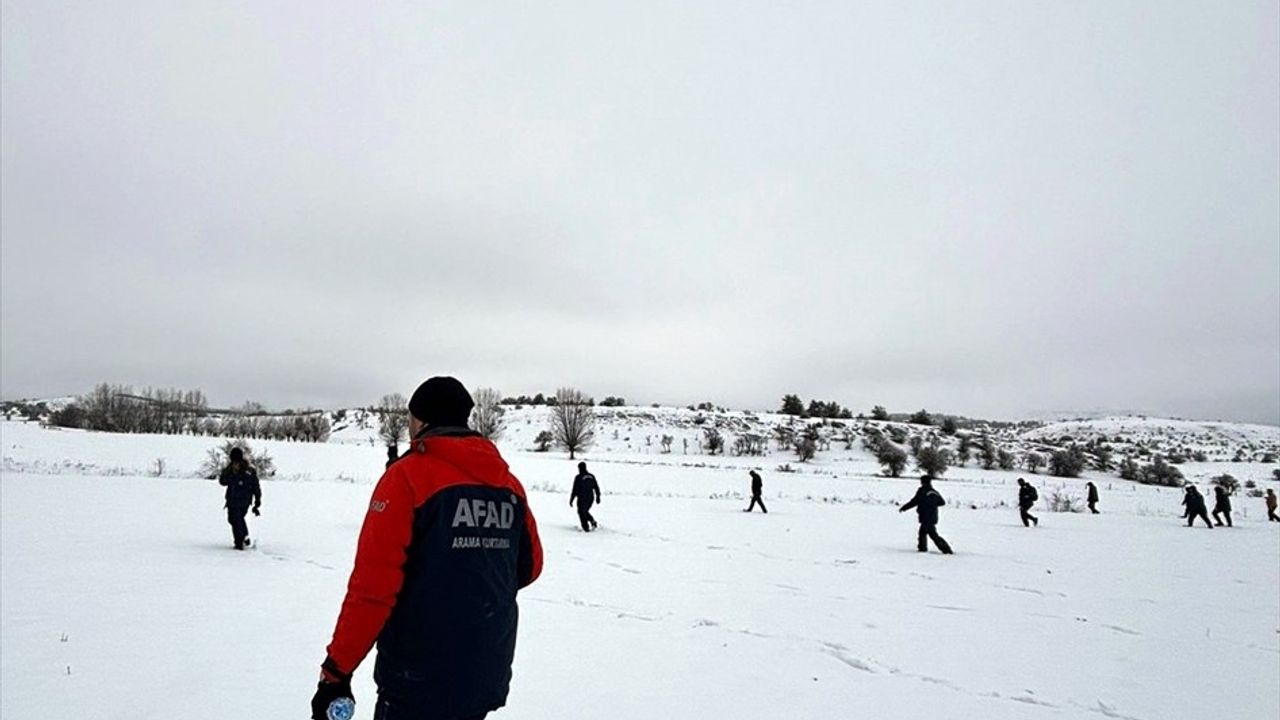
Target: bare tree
x=573, y=420
x=393, y=419
x=486, y=416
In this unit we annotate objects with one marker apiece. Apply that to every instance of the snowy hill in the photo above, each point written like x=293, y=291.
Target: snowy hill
x=116, y=559
x=1218, y=440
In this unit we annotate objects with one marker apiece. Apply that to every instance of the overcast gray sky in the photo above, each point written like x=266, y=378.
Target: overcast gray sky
x=988, y=208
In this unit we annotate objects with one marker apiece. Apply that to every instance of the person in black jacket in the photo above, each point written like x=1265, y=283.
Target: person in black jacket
x=1194, y=503
x=243, y=490
x=585, y=491
x=1221, y=506
x=1092, y=499
x=757, y=487
x=1027, y=497
x=926, y=502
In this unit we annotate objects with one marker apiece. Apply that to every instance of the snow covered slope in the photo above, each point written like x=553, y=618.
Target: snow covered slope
x=120, y=597
x=1218, y=440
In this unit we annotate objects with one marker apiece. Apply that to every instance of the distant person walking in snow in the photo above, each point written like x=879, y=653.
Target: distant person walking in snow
x=585, y=492
x=926, y=502
x=1271, y=506
x=243, y=490
x=1092, y=499
x=757, y=487
x=1221, y=505
x=1027, y=496
x=1194, y=503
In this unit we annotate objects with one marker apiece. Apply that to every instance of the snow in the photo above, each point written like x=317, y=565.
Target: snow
x=120, y=596
x=1215, y=438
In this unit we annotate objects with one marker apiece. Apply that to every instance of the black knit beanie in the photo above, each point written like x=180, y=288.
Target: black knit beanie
x=441, y=402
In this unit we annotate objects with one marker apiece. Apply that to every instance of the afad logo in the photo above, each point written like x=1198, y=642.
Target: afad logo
x=476, y=513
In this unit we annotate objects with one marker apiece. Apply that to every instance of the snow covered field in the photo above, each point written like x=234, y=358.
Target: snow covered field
x=121, y=598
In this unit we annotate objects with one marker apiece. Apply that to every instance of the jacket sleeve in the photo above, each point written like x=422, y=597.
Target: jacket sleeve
x=257, y=488
x=941, y=500
x=596, y=486
x=378, y=574
x=529, y=562
x=915, y=500
x=224, y=475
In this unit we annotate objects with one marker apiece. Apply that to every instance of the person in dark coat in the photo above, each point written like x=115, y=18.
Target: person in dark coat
x=1194, y=503
x=1027, y=497
x=447, y=543
x=243, y=491
x=1221, y=505
x=1092, y=499
x=585, y=491
x=926, y=502
x=1271, y=506
x=757, y=487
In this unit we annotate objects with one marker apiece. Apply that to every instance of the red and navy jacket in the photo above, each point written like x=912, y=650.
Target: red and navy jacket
x=447, y=541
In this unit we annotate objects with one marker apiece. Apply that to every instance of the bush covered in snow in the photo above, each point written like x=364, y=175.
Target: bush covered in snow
x=1161, y=473
x=219, y=457
x=1060, y=501
x=933, y=461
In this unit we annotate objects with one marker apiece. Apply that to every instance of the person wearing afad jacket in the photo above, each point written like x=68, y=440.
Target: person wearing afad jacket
x=926, y=502
x=447, y=541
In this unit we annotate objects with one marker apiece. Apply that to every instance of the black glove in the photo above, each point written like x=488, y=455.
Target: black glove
x=333, y=685
x=255, y=510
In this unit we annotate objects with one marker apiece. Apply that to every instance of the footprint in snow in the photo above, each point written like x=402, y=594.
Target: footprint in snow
x=955, y=608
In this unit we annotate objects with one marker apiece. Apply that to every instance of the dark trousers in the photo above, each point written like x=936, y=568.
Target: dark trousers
x=584, y=515
x=1093, y=506
x=239, y=529
x=930, y=532
x=1191, y=518
x=1218, y=520
x=389, y=710
x=1027, y=517
x=1271, y=515
x=754, y=500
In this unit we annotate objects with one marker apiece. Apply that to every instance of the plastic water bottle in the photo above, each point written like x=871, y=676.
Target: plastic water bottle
x=341, y=709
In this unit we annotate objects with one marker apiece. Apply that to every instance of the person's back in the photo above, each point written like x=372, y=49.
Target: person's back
x=1221, y=500
x=1093, y=493
x=927, y=501
x=585, y=487
x=1194, y=500
x=447, y=541
x=1027, y=495
x=586, y=492
x=757, y=484
x=451, y=635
